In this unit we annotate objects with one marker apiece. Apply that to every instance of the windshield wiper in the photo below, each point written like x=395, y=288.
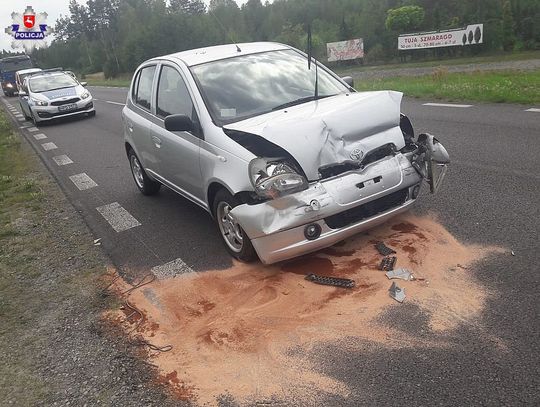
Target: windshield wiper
x=299, y=101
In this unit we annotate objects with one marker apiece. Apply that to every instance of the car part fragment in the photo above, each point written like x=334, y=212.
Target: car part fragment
x=384, y=249
x=401, y=274
x=396, y=292
x=333, y=281
x=388, y=263
x=431, y=161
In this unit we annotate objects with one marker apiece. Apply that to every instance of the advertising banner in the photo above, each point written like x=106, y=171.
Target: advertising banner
x=470, y=35
x=345, y=50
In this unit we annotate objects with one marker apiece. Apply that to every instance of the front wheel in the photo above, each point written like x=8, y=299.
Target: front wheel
x=145, y=184
x=236, y=240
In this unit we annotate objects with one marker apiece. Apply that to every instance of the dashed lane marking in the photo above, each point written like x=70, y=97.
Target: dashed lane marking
x=40, y=136
x=532, y=109
x=114, y=103
x=119, y=219
x=83, y=181
x=32, y=129
x=21, y=119
x=446, y=105
x=49, y=146
x=171, y=269
x=62, y=160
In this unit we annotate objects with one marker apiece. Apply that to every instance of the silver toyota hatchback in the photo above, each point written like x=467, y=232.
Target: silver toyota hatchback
x=286, y=156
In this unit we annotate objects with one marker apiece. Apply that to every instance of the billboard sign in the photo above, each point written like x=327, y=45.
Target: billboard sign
x=470, y=35
x=345, y=50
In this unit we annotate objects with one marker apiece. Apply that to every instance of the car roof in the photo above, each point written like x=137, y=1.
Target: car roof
x=208, y=54
x=29, y=70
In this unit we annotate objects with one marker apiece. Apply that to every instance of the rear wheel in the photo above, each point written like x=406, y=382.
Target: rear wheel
x=145, y=184
x=235, y=239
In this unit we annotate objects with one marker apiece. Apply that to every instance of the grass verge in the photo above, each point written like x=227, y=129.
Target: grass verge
x=497, y=87
x=97, y=79
x=33, y=259
x=514, y=56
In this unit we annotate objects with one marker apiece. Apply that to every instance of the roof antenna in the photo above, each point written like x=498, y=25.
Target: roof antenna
x=226, y=32
x=310, y=55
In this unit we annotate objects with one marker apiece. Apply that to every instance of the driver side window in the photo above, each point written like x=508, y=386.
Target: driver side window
x=172, y=94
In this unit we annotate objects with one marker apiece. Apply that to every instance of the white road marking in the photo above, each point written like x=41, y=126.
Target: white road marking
x=40, y=136
x=24, y=126
x=62, y=160
x=446, y=105
x=118, y=217
x=21, y=119
x=83, y=181
x=33, y=129
x=114, y=103
x=533, y=110
x=49, y=146
x=171, y=269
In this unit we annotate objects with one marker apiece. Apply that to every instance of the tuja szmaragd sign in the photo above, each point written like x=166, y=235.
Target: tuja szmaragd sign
x=470, y=35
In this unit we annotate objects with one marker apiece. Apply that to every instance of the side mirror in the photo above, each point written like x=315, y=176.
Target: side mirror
x=348, y=80
x=84, y=84
x=179, y=122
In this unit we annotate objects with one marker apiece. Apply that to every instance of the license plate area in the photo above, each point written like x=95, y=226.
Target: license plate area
x=67, y=108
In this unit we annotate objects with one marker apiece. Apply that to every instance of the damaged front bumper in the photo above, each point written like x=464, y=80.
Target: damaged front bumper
x=335, y=208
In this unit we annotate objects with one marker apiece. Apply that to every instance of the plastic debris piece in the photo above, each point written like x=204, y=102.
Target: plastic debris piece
x=384, y=249
x=396, y=292
x=97, y=241
x=513, y=254
x=388, y=263
x=401, y=273
x=334, y=281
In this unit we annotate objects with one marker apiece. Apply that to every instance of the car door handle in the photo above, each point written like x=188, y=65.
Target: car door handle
x=157, y=141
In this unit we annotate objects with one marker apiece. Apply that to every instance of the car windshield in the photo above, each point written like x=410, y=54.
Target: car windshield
x=51, y=82
x=246, y=86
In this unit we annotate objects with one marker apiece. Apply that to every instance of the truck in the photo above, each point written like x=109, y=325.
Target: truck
x=8, y=67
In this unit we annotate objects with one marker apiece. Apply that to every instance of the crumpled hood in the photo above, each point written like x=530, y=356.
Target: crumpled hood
x=331, y=130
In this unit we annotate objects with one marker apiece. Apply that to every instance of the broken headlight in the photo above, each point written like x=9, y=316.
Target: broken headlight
x=272, y=178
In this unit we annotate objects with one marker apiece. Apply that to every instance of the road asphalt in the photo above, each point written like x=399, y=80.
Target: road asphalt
x=491, y=196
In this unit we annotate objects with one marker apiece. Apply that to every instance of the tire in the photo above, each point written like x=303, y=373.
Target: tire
x=24, y=113
x=33, y=118
x=145, y=184
x=234, y=238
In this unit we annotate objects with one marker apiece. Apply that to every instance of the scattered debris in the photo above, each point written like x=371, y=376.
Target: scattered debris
x=334, y=281
x=396, y=292
x=513, y=254
x=384, y=249
x=97, y=242
x=388, y=263
x=401, y=273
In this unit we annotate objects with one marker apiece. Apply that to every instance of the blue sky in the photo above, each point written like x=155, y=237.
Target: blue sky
x=54, y=8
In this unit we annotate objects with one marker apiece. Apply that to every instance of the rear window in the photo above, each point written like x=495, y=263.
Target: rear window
x=143, y=93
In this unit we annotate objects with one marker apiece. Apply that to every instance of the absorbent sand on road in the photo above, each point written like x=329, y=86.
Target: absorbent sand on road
x=248, y=331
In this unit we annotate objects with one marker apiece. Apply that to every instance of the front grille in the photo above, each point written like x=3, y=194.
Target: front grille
x=65, y=102
x=47, y=115
x=367, y=210
x=376, y=154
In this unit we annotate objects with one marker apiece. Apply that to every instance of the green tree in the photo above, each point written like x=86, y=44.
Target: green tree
x=405, y=18
x=191, y=7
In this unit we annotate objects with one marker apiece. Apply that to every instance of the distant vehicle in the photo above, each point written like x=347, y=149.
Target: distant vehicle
x=287, y=161
x=49, y=95
x=20, y=75
x=8, y=67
